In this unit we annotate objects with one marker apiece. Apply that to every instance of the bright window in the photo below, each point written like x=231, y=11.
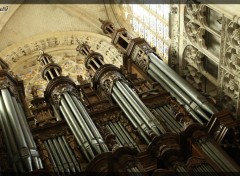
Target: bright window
x=151, y=21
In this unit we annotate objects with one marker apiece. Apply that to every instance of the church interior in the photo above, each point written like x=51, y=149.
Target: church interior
x=119, y=88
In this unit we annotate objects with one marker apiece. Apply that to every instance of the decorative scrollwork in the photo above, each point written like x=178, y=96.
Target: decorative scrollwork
x=139, y=55
x=191, y=30
x=195, y=33
x=60, y=89
x=57, y=87
x=233, y=34
x=232, y=60
x=194, y=57
x=108, y=79
x=192, y=9
x=230, y=85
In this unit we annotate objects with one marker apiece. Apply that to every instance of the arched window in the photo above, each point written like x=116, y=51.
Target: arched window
x=150, y=21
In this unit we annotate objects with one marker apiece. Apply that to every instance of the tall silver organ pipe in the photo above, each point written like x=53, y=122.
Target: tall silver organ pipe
x=195, y=95
x=22, y=149
x=18, y=133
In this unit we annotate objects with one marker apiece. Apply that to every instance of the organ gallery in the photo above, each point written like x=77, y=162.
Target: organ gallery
x=113, y=102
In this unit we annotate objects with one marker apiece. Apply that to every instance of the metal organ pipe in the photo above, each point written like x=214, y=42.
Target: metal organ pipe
x=112, y=132
x=130, y=117
x=66, y=155
x=118, y=134
x=195, y=95
x=171, y=117
x=71, y=154
x=9, y=138
x=26, y=131
x=14, y=121
x=137, y=108
x=128, y=141
x=134, y=114
x=56, y=114
x=90, y=124
x=55, y=167
x=76, y=130
x=60, y=153
x=168, y=118
x=82, y=123
x=189, y=109
x=178, y=91
x=214, y=158
x=221, y=156
x=128, y=136
x=143, y=107
x=170, y=125
x=55, y=156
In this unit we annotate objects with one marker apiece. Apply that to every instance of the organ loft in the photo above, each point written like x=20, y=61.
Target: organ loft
x=113, y=104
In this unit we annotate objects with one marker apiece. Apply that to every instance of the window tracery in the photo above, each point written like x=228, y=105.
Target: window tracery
x=216, y=36
x=150, y=21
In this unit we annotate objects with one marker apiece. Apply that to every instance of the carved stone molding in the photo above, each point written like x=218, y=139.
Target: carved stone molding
x=195, y=33
x=192, y=9
x=230, y=85
x=232, y=60
x=194, y=57
x=192, y=74
x=62, y=45
x=175, y=28
x=233, y=34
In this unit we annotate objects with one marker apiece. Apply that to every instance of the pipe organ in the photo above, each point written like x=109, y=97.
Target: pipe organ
x=138, y=120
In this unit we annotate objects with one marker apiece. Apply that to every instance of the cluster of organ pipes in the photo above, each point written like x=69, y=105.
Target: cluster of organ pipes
x=144, y=57
x=75, y=114
x=213, y=152
x=17, y=135
x=82, y=126
x=61, y=155
x=90, y=140
x=122, y=136
x=139, y=115
x=136, y=111
x=193, y=101
x=169, y=118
